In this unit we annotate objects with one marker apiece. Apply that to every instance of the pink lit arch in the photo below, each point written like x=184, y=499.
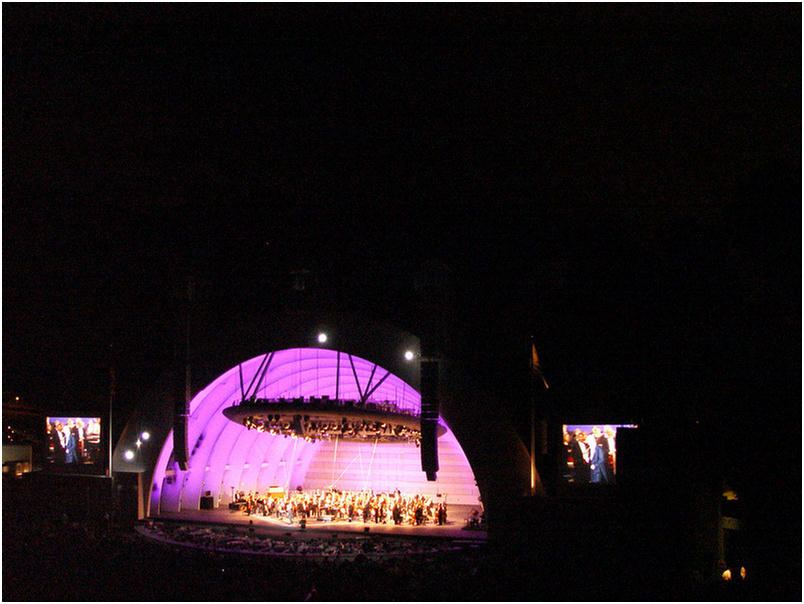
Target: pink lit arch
x=225, y=455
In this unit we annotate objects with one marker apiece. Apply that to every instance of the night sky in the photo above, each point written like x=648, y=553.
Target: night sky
x=623, y=182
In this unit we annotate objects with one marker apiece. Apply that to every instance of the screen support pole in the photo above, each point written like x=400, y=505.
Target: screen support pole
x=532, y=444
x=112, y=386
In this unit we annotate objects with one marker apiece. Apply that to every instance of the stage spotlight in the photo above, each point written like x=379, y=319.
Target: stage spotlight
x=409, y=356
x=129, y=454
x=145, y=435
x=322, y=338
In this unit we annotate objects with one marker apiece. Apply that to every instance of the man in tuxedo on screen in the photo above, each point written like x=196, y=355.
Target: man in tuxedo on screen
x=57, y=436
x=579, y=457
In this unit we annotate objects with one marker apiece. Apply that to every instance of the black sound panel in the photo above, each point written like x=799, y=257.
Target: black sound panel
x=180, y=435
x=207, y=503
x=632, y=451
x=429, y=417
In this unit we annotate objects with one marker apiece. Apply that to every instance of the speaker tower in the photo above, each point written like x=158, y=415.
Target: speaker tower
x=180, y=414
x=429, y=416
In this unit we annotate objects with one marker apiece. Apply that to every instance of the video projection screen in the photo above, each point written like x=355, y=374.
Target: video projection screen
x=590, y=453
x=74, y=443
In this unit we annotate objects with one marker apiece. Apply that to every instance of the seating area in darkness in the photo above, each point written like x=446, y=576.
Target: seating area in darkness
x=242, y=539
x=66, y=547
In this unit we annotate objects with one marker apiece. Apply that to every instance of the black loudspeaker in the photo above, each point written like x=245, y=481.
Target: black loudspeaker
x=632, y=451
x=429, y=417
x=180, y=435
x=207, y=503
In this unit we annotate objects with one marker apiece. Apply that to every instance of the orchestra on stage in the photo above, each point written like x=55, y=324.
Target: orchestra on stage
x=336, y=505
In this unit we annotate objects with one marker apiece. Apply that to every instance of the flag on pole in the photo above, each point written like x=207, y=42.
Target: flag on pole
x=535, y=367
x=534, y=359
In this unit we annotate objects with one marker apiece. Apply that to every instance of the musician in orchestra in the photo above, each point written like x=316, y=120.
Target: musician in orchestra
x=442, y=514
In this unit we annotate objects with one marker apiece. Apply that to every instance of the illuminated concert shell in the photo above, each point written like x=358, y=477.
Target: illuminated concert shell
x=225, y=456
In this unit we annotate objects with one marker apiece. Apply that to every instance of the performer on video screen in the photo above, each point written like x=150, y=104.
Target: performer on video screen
x=80, y=433
x=597, y=462
x=68, y=440
x=57, y=436
x=611, y=461
x=580, y=456
x=93, y=434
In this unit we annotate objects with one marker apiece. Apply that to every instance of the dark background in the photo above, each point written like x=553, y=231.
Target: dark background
x=622, y=182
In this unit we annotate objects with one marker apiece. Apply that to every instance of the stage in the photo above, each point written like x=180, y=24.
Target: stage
x=457, y=516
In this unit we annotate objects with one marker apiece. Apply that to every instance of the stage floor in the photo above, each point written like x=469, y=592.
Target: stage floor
x=268, y=525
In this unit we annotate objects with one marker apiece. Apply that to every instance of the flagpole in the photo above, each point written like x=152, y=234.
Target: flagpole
x=112, y=392
x=535, y=370
x=532, y=424
x=532, y=443
x=112, y=387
